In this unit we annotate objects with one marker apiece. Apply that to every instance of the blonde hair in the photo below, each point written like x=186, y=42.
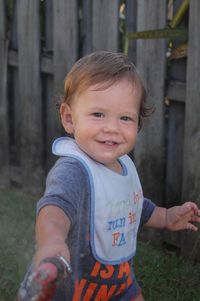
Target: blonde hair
x=103, y=68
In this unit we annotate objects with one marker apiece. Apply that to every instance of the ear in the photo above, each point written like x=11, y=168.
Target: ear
x=66, y=118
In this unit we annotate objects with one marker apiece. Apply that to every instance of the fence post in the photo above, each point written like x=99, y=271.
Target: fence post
x=191, y=167
x=4, y=149
x=28, y=25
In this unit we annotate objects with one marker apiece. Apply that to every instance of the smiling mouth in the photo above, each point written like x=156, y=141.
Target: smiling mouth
x=109, y=143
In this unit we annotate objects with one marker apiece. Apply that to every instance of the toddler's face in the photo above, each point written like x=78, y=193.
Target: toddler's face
x=105, y=122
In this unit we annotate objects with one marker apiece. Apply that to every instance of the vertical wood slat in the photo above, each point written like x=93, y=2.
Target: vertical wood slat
x=191, y=169
x=4, y=149
x=105, y=18
x=86, y=27
x=49, y=25
x=28, y=24
x=131, y=26
x=174, y=165
x=65, y=36
x=174, y=162
x=151, y=58
x=14, y=105
x=51, y=125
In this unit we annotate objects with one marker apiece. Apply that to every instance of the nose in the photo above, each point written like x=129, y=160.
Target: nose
x=111, y=126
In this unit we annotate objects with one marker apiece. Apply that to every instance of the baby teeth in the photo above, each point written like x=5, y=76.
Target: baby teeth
x=109, y=142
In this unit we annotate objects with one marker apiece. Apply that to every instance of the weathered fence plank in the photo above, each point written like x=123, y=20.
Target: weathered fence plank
x=65, y=30
x=191, y=167
x=131, y=26
x=14, y=103
x=192, y=125
x=174, y=134
x=48, y=16
x=65, y=39
x=105, y=18
x=28, y=25
x=51, y=122
x=151, y=59
x=4, y=153
x=174, y=161
x=86, y=27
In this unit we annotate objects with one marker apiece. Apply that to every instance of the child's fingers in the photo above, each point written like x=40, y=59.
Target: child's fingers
x=195, y=219
x=191, y=227
x=192, y=206
x=186, y=210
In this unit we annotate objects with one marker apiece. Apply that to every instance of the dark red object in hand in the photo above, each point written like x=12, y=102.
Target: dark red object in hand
x=41, y=285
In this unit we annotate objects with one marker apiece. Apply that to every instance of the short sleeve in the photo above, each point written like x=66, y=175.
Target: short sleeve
x=66, y=186
x=147, y=210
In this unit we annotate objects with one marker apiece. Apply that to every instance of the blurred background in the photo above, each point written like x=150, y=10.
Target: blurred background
x=39, y=43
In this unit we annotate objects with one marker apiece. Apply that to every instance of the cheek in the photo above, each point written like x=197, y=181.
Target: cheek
x=131, y=131
x=80, y=132
x=132, y=136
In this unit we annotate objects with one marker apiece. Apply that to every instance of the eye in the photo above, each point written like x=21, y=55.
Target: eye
x=98, y=114
x=126, y=118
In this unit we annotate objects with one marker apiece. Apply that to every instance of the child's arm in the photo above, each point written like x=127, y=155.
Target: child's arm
x=52, y=227
x=175, y=218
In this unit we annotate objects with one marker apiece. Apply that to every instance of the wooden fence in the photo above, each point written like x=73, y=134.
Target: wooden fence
x=40, y=41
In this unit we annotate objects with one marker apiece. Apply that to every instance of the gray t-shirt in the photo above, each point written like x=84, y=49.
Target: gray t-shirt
x=68, y=187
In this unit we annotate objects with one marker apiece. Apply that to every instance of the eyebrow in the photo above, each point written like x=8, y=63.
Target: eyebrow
x=98, y=108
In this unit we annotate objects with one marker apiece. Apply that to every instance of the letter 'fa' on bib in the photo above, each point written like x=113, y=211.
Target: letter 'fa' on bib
x=116, y=204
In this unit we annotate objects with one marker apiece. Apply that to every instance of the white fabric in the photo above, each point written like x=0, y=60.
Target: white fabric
x=116, y=204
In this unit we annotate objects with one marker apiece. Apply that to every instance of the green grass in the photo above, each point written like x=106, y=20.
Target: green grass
x=165, y=276
x=162, y=275
x=17, y=215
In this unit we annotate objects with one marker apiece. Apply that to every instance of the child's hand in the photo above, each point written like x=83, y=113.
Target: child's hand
x=182, y=217
x=42, y=283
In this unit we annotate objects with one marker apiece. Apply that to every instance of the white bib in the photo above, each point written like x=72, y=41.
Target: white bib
x=116, y=204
